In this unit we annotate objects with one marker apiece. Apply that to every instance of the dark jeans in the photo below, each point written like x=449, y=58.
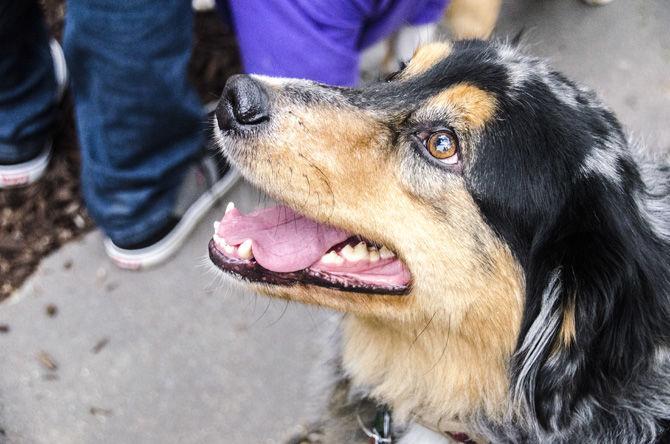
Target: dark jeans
x=27, y=82
x=139, y=121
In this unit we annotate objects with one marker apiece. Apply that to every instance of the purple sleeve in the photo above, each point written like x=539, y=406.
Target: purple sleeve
x=390, y=15
x=319, y=39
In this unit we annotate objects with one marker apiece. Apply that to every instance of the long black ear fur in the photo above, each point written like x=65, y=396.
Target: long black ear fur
x=596, y=308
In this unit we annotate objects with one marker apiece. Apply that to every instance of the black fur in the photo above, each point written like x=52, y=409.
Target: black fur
x=555, y=177
x=588, y=220
x=581, y=232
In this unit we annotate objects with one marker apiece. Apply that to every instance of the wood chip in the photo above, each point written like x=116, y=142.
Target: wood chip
x=111, y=287
x=102, y=343
x=79, y=221
x=51, y=310
x=47, y=361
x=97, y=411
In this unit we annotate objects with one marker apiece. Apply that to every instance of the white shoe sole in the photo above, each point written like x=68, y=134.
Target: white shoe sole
x=203, y=5
x=25, y=173
x=168, y=246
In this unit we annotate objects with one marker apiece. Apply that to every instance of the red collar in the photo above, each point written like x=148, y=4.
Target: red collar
x=460, y=437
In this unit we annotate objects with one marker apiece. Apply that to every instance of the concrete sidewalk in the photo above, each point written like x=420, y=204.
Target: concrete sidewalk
x=170, y=355
x=173, y=356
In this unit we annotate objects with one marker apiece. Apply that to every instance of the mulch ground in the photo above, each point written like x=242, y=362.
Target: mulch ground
x=36, y=220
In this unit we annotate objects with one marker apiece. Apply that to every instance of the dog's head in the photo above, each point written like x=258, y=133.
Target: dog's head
x=476, y=189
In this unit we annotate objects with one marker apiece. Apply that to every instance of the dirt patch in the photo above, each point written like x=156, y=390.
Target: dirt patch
x=36, y=220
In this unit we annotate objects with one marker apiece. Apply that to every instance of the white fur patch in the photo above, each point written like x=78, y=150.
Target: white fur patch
x=517, y=66
x=602, y=161
x=538, y=336
x=418, y=434
x=565, y=93
x=275, y=81
x=655, y=212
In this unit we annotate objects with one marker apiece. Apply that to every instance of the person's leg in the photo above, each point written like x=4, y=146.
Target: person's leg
x=28, y=88
x=139, y=121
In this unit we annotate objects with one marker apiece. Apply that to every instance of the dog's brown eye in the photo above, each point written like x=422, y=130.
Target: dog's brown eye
x=443, y=145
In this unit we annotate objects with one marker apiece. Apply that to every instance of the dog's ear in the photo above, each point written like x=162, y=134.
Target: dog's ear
x=595, y=309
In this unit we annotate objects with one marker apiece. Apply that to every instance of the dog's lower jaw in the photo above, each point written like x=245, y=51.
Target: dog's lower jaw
x=423, y=377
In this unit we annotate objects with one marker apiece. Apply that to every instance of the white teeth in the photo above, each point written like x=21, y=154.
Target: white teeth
x=244, y=250
x=221, y=243
x=230, y=206
x=385, y=253
x=374, y=254
x=348, y=252
x=355, y=254
x=361, y=251
x=332, y=258
x=216, y=226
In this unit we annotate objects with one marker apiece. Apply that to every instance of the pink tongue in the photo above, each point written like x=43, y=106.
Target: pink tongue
x=281, y=240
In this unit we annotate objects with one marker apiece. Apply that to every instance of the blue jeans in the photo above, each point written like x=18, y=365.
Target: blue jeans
x=27, y=82
x=140, y=124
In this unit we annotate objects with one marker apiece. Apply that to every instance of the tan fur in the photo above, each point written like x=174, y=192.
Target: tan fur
x=440, y=351
x=568, y=328
x=389, y=62
x=438, y=368
x=469, y=19
x=425, y=57
x=475, y=106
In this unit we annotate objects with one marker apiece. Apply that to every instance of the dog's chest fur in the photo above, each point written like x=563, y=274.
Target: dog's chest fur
x=406, y=373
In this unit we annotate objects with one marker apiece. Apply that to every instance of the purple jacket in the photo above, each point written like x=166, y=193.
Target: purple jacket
x=319, y=39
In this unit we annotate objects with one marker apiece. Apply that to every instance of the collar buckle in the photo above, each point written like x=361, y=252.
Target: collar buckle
x=381, y=427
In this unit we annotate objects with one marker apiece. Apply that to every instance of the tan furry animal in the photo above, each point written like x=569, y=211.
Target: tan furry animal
x=499, y=250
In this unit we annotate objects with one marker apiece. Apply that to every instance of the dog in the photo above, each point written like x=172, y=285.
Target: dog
x=499, y=246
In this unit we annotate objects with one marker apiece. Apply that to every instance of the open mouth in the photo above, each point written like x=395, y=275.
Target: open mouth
x=281, y=247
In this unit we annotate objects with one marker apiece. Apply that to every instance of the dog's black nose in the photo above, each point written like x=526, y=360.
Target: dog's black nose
x=244, y=102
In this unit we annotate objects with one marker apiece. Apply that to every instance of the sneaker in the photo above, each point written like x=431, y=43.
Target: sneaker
x=29, y=171
x=204, y=184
